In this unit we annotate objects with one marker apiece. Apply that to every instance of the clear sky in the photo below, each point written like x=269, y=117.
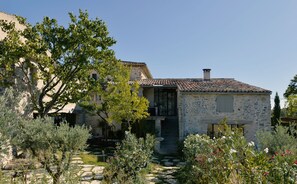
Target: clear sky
x=249, y=40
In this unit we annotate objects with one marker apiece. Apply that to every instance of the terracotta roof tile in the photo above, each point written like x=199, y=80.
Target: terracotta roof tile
x=133, y=63
x=200, y=85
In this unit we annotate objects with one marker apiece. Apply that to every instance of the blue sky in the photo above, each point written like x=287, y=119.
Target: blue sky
x=252, y=41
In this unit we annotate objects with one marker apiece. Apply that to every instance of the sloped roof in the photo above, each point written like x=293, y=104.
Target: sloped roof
x=139, y=64
x=222, y=85
x=134, y=63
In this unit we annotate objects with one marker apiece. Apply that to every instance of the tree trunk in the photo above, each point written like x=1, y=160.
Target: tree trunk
x=56, y=178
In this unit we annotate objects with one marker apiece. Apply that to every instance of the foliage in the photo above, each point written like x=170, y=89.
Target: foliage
x=53, y=146
x=9, y=120
x=119, y=99
x=283, y=167
x=57, y=59
x=291, y=106
x=279, y=140
x=292, y=88
x=276, y=112
x=130, y=159
x=231, y=159
x=220, y=160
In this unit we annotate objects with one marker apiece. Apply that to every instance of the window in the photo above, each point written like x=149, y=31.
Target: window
x=94, y=76
x=166, y=101
x=224, y=103
x=215, y=130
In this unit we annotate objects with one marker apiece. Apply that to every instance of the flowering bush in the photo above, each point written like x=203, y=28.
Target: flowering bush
x=130, y=160
x=231, y=159
x=205, y=161
x=283, y=167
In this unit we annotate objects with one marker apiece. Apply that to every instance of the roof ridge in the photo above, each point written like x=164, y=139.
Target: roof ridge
x=189, y=79
x=133, y=62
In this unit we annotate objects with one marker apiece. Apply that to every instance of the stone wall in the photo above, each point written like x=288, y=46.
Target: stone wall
x=197, y=111
x=9, y=18
x=137, y=73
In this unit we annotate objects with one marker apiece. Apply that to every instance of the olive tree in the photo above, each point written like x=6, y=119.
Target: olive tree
x=9, y=120
x=53, y=146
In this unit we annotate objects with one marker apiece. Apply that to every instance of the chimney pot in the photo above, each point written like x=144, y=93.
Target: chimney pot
x=206, y=74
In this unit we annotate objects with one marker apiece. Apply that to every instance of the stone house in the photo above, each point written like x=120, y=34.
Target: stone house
x=179, y=107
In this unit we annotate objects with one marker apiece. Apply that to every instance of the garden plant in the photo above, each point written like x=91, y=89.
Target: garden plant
x=232, y=159
x=131, y=159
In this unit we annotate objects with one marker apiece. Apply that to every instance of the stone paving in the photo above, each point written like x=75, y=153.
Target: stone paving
x=90, y=174
x=163, y=172
x=163, y=175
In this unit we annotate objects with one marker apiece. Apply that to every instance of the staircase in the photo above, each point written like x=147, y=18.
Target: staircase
x=169, y=131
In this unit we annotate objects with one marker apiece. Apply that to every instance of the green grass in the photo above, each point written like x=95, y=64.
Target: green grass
x=92, y=160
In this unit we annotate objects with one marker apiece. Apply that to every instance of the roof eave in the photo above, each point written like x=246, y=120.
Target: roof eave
x=228, y=92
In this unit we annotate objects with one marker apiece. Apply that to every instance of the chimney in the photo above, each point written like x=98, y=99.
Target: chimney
x=206, y=74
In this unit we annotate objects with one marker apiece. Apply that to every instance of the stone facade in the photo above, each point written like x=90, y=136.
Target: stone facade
x=202, y=103
x=9, y=18
x=197, y=111
x=136, y=73
x=138, y=70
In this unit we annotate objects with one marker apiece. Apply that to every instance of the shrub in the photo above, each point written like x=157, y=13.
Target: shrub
x=53, y=146
x=231, y=159
x=283, y=167
x=222, y=160
x=279, y=140
x=205, y=163
x=9, y=119
x=283, y=147
x=130, y=160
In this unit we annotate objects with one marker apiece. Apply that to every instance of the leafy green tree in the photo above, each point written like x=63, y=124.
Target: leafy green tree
x=52, y=62
x=291, y=106
x=276, y=112
x=119, y=98
x=292, y=88
x=52, y=145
